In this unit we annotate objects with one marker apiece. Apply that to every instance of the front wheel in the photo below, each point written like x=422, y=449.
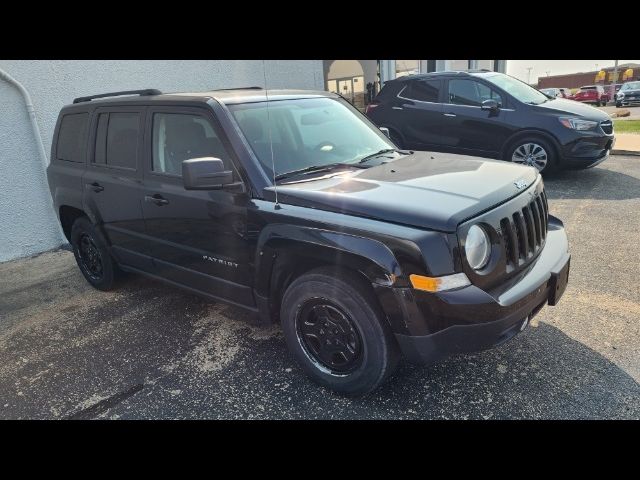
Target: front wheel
x=336, y=331
x=534, y=152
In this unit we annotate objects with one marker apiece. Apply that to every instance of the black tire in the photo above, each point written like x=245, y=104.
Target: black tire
x=618, y=105
x=89, y=249
x=552, y=161
x=345, y=293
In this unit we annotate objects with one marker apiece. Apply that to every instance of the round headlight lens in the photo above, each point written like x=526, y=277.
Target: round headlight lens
x=477, y=247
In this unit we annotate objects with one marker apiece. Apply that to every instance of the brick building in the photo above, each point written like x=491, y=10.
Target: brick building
x=576, y=80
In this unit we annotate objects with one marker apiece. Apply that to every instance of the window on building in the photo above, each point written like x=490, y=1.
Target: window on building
x=117, y=140
x=471, y=93
x=72, y=139
x=423, y=90
x=407, y=67
x=178, y=137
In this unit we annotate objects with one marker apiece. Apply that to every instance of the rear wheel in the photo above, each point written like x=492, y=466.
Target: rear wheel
x=92, y=256
x=533, y=151
x=336, y=331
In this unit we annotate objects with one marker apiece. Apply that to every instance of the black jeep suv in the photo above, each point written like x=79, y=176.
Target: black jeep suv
x=295, y=207
x=492, y=115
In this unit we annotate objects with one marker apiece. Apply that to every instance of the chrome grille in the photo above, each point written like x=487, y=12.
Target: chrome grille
x=525, y=231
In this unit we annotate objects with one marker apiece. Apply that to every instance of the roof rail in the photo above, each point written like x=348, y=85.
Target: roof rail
x=236, y=88
x=146, y=92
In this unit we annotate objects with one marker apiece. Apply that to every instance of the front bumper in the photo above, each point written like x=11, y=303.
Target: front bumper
x=628, y=101
x=588, y=151
x=470, y=319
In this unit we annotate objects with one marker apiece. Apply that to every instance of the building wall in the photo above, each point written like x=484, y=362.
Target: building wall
x=576, y=80
x=28, y=223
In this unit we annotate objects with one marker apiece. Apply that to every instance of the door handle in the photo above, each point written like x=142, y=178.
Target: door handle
x=450, y=115
x=157, y=199
x=95, y=186
x=397, y=108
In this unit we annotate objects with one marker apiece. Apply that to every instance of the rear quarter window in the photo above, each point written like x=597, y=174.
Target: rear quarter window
x=72, y=137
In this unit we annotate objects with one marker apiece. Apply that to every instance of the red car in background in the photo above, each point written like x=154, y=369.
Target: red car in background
x=591, y=94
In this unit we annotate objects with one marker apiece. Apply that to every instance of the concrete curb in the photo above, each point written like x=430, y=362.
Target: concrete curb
x=625, y=152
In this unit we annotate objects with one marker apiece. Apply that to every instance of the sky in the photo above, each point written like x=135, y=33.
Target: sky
x=539, y=68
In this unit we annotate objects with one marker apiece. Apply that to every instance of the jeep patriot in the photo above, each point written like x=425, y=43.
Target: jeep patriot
x=294, y=206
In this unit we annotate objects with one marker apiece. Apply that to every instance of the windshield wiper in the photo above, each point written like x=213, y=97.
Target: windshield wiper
x=381, y=152
x=313, y=168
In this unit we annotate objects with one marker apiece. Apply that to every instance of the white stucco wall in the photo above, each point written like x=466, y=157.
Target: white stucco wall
x=27, y=222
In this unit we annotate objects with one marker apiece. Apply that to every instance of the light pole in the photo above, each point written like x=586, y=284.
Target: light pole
x=614, y=80
x=529, y=75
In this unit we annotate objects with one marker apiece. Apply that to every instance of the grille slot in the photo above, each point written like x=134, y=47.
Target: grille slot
x=607, y=126
x=525, y=231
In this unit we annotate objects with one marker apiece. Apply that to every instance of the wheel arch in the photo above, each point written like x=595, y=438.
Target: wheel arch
x=531, y=132
x=284, y=253
x=68, y=215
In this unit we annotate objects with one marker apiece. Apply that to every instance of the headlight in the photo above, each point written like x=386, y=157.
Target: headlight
x=477, y=247
x=620, y=95
x=578, y=123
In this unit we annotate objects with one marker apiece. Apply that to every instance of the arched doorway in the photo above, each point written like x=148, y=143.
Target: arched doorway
x=353, y=79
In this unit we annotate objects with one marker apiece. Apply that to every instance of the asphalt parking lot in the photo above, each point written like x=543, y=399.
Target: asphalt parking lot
x=151, y=351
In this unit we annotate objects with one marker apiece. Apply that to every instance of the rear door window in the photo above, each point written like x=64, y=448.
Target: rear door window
x=422, y=91
x=72, y=138
x=117, y=140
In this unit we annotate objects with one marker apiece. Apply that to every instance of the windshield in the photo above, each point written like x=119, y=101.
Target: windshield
x=631, y=86
x=307, y=133
x=518, y=89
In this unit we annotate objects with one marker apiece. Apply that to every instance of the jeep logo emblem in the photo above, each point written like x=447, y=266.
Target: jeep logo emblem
x=520, y=184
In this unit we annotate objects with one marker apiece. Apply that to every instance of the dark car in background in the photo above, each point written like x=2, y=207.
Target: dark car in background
x=594, y=94
x=491, y=114
x=629, y=94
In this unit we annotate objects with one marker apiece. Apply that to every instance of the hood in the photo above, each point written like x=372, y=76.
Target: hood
x=437, y=191
x=571, y=107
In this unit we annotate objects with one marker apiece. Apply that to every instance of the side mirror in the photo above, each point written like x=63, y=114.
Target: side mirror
x=385, y=130
x=206, y=173
x=491, y=105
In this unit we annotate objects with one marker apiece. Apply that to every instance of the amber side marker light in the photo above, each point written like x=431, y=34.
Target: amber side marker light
x=439, y=284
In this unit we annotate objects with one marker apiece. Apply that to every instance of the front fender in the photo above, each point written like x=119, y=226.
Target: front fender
x=282, y=243
x=285, y=251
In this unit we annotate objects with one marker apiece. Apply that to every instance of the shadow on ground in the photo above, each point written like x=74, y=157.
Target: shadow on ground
x=597, y=183
x=150, y=351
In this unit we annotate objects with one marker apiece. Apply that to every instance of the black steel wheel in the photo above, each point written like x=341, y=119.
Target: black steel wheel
x=328, y=336
x=92, y=256
x=334, y=327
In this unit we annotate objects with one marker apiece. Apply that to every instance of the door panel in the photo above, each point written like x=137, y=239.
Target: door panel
x=467, y=128
x=418, y=114
x=112, y=183
x=198, y=238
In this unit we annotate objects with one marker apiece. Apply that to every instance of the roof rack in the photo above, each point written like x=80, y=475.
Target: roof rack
x=236, y=88
x=146, y=92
